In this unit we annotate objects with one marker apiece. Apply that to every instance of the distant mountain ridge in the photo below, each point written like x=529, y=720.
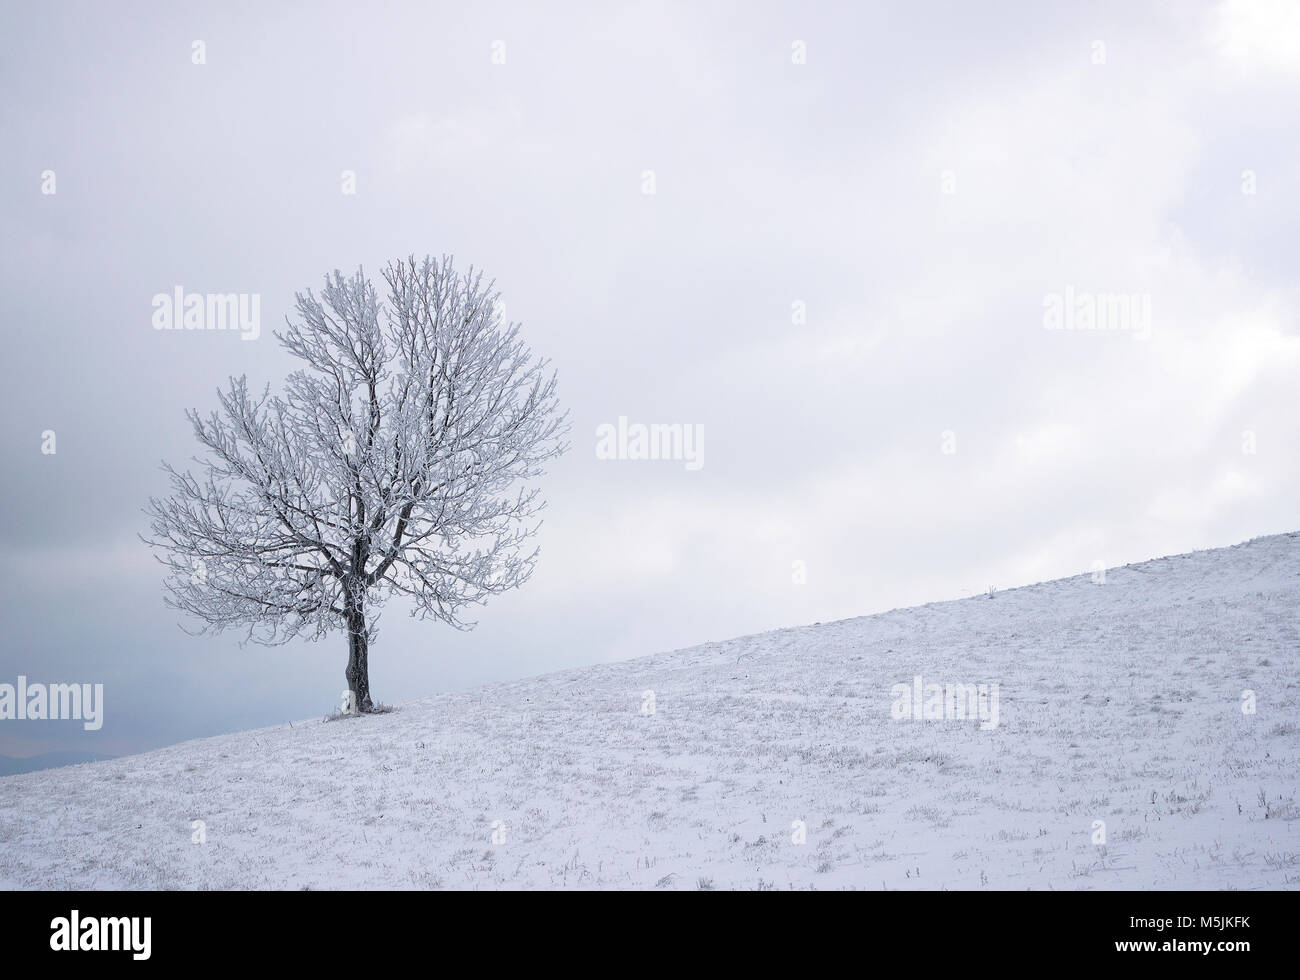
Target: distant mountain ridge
x=11, y=765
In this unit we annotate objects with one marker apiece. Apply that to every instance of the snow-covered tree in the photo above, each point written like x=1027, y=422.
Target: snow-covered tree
x=397, y=461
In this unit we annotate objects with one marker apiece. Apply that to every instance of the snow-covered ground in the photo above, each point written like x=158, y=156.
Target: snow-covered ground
x=1118, y=702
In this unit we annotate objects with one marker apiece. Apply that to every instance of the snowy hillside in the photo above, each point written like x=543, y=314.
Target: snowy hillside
x=1118, y=702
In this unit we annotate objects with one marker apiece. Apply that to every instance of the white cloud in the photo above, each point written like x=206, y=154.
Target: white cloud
x=1258, y=34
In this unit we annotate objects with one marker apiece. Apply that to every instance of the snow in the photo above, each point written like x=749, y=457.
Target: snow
x=1119, y=702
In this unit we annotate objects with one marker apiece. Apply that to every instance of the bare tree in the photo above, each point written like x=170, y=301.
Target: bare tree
x=396, y=462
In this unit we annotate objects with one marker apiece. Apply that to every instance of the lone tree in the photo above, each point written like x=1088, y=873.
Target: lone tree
x=396, y=461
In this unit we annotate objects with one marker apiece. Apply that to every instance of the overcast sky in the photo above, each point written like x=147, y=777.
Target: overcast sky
x=860, y=217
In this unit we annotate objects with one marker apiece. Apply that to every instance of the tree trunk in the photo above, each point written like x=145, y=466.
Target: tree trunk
x=358, y=672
